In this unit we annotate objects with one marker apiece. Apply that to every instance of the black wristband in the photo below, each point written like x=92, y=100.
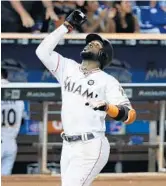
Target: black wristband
x=123, y=113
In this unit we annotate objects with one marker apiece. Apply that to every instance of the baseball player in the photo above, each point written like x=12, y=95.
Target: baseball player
x=88, y=95
x=11, y=117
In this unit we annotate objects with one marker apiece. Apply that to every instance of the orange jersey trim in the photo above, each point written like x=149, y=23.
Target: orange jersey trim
x=58, y=63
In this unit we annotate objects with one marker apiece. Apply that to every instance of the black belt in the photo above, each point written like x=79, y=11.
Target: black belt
x=84, y=137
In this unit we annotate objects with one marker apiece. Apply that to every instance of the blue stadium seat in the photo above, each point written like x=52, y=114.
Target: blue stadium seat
x=144, y=19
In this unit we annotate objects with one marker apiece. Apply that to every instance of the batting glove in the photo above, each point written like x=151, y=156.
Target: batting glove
x=75, y=19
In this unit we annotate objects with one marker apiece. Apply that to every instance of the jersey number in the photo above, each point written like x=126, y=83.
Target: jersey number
x=8, y=117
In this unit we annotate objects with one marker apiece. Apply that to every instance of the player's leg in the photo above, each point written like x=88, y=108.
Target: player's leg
x=102, y=160
x=8, y=159
x=7, y=164
x=65, y=158
x=2, y=156
x=88, y=160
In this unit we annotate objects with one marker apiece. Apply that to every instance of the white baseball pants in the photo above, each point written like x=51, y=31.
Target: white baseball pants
x=82, y=161
x=8, y=156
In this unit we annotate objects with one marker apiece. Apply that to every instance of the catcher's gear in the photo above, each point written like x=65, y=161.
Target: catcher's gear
x=105, y=55
x=76, y=18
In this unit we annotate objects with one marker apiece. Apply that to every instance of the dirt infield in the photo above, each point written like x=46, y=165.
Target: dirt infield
x=132, y=179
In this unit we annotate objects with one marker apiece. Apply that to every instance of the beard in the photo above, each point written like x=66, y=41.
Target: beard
x=89, y=56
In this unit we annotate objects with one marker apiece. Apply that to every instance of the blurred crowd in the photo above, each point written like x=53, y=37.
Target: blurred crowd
x=103, y=16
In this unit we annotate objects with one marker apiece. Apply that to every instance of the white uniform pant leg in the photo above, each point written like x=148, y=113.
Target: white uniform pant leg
x=87, y=161
x=65, y=158
x=8, y=156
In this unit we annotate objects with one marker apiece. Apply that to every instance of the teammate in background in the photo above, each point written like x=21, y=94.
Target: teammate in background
x=88, y=94
x=11, y=118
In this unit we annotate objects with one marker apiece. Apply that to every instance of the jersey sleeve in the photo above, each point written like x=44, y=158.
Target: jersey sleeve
x=59, y=65
x=115, y=95
x=52, y=60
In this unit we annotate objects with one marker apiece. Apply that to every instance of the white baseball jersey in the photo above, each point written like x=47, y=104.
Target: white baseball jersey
x=79, y=87
x=11, y=117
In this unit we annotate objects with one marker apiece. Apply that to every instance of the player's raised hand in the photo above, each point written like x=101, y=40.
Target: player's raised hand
x=76, y=18
x=97, y=105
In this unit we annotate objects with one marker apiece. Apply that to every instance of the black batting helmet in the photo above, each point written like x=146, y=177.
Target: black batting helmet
x=105, y=55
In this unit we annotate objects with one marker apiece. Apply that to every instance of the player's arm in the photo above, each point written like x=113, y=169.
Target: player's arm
x=53, y=61
x=116, y=105
x=121, y=113
x=45, y=50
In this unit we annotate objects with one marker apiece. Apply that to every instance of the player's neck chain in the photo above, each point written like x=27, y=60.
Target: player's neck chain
x=88, y=72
